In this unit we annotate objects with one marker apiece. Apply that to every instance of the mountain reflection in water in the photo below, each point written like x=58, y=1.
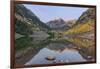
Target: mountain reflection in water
x=36, y=51
x=64, y=54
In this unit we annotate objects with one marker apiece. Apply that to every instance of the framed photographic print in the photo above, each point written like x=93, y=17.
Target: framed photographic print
x=49, y=34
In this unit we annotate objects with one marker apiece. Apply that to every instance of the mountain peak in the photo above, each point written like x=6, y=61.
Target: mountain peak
x=58, y=18
x=57, y=23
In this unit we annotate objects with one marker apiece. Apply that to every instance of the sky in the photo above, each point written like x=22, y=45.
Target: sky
x=47, y=13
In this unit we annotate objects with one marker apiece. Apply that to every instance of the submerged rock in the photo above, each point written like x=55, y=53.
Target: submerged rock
x=61, y=61
x=50, y=58
x=66, y=61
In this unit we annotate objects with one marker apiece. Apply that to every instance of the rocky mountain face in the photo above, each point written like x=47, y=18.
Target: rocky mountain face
x=26, y=21
x=84, y=24
x=57, y=24
x=86, y=16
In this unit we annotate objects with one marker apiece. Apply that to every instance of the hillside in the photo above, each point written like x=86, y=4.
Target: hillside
x=26, y=21
x=87, y=16
x=84, y=24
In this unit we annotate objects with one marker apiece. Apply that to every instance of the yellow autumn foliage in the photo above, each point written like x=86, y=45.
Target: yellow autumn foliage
x=81, y=28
